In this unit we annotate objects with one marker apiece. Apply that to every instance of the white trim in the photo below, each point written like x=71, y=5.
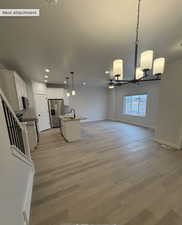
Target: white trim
x=172, y=145
x=90, y=121
x=134, y=123
x=28, y=199
x=18, y=154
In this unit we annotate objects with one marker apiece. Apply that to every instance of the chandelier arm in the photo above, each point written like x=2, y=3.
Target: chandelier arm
x=137, y=39
x=136, y=81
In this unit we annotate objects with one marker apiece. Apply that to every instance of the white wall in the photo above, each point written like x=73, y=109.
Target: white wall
x=169, y=123
x=90, y=102
x=111, y=104
x=115, y=103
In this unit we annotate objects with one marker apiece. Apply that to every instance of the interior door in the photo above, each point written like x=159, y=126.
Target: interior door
x=42, y=111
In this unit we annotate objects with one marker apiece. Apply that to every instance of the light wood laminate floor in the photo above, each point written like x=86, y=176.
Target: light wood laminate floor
x=115, y=175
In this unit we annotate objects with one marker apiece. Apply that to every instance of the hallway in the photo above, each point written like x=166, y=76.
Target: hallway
x=115, y=174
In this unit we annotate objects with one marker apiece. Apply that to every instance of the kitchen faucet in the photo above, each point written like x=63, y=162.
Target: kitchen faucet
x=74, y=113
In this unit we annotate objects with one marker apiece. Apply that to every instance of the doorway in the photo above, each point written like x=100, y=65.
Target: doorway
x=42, y=111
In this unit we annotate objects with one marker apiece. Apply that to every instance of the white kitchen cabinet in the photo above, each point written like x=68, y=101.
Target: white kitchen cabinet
x=70, y=127
x=55, y=93
x=58, y=93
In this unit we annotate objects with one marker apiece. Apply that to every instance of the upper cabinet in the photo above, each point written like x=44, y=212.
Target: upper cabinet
x=14, y=87
x=55, y=93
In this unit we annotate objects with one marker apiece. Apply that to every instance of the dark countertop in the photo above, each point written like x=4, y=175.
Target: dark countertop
x=28, y=116
x=28, y=119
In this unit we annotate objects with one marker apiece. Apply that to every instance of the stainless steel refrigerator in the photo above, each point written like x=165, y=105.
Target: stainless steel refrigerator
x=56, y=108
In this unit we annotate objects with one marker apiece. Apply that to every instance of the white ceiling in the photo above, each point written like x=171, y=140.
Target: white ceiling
x=86, y=35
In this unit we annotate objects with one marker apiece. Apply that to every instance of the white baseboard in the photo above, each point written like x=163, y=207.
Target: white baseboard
x=172, y=145
x=133, y=123
x=28, y=198
x=89, y=121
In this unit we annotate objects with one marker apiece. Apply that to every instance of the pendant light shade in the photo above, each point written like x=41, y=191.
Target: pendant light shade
x=73, y=92
x=146, y=60
x=118, y=69
x=159, y=65
x=139, y=73
x=111, y=86
x=68, y=94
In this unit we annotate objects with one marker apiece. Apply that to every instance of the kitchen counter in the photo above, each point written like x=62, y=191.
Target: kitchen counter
x=31, y=121
x=70, y=127
x=69, y=118
x=28, y=116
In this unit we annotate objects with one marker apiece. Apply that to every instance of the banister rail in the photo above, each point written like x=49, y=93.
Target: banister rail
x=18, y=137
x=14, y=127
x=14, y=130
x=10, y=108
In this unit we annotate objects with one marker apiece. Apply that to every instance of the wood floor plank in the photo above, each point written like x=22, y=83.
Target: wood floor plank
x=115, y=174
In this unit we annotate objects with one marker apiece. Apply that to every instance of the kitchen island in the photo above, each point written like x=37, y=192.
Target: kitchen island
x=70, y=127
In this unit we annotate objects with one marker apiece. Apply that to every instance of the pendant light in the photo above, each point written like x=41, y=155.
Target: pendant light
x=67, y=82
x=142, y=73
x=73, y=92
x=146, y=60
x=158, y=67
x=111, y=85
x=118, y=69
x=139, y=73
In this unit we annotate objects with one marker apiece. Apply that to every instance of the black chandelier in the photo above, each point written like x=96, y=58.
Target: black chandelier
x=142, y=73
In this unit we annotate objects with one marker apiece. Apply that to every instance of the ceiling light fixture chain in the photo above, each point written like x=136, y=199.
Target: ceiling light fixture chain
x=137, y=39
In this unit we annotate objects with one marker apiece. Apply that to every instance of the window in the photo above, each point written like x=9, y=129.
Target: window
x=135, y=105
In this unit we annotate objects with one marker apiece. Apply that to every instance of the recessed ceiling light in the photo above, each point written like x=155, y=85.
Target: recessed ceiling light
x=47, y=70
x=45, y=81
x=83, y=83
x=107, y=72
x=46, y=76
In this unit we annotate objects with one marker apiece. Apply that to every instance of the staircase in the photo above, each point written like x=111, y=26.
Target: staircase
x=16, y=168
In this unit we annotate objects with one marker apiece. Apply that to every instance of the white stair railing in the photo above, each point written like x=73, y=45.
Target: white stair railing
x=17, y=132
